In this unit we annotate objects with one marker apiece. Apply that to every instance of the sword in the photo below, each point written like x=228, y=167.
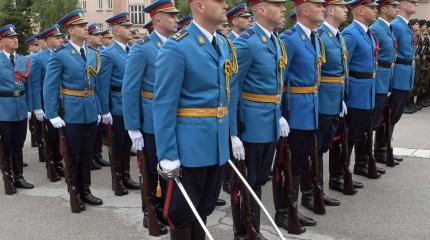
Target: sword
x=256, y=199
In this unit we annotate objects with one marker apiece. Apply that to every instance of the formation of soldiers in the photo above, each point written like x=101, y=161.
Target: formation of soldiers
x=219, y=98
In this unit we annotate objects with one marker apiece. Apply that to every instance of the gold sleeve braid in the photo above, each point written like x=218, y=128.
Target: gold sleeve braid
x=230, y=68
x=92, y=71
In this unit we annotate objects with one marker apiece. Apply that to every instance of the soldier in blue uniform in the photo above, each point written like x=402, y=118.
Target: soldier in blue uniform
x=15, y=103
x=387, y=54
x=239, y=19
x=33, y=44
x=111, y=75
x=138, y=92
x=262, y=58
x=107, y=38
x=404, y=67
x=149, y=26
x=135, y=34
x=330, y=94
x=191, y=115
x=70, y=81
x=362, y=50
x=39, y=61
x=304, y=48
x=184, y=22
x=94, y=42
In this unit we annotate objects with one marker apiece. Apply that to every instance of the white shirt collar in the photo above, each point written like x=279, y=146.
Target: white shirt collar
x=404, y=19
x=332, y=29
x=78, y=48
x=8, y=54
x=267, y=32
x=123, y=46
x=235, y=34
x=305, y=29
x=364, y=27
x=161, y=37
x=385, y=21
x=208, y=35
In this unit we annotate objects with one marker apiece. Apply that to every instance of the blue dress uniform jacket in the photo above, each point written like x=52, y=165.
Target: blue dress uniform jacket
x=231, y=36
x=191, y=79
x=361, y=58
x=140, y=76
x=403, y=75
x=39, y=62
x=67, y=69
x=111, y=75
x=14, y=108
x=387, y=54
x=330, y=95
x=302, y=71
x=259, y=73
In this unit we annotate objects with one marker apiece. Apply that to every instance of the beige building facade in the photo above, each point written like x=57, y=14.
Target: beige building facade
x=423, y=10
x=97, y=11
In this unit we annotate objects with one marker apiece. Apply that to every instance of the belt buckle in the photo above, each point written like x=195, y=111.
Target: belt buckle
x=373, y=75
x=278, y=98
x=342, y=79
x=16, y=93
x=220, y=112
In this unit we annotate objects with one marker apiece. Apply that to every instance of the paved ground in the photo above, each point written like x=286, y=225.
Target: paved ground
x=394, y=207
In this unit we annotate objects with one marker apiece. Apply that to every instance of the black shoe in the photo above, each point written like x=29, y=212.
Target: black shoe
x=99, y=160
x=357, y=184
x=95, y=166
x=19, y=182
x=308, y=201
x=306, y=221
x=337, y=185
x=88, y=198
x=240, y=237
x=281, y=220
x=270, y=176
x=60, y=170
x=226, y=187
x=363, y=171
x=329, y=201
x=129, y=183
x=24, y=164
x=220, y=203
x=81, y=203
x=162, y=228
x=380, y=170
x=120, y=189
x=398, y=158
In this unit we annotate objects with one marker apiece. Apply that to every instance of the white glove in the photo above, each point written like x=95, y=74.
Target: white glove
x=57, y=122
x=283, y=127
x=39, y=114
x=98, y=119
x=169, y=167
x=237, y=148
x=137, y=139
x=388, y=94
x=107, y=119
x=344, y=110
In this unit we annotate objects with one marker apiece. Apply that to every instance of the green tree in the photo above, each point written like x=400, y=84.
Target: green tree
x=47, y=12
x=19, y=15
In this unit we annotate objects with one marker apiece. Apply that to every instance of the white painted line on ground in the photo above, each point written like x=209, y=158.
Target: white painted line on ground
x=412, y=152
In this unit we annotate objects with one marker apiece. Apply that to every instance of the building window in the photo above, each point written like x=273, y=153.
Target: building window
x=84, y=4
x=137, y=14
x=100, y=26
x=110, y=4
x=99, y=4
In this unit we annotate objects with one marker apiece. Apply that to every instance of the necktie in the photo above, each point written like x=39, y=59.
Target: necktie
x=313, y=39
x=214, y=44
x=12, y=59
x=127, y=49
x=83, y=54
x=369, y=34
x=273, y=39
x=338, y=36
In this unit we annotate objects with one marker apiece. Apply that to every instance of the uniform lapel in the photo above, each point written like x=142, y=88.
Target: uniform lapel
x=332, y=37
x=6, y=61
x=361, y=30
x=202, y=41
x=155, y=40
x=306, y=39
x=75, y=54
x=264, y=39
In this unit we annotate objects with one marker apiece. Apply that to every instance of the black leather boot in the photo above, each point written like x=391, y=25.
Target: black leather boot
x=85, y=183
x=304, y=221
x=17, y=164
x=5, y=167
x=98, y=158
x=162, y=228
x=197, y=232
x=126, y=179
x=255, y=209
x=380, y=148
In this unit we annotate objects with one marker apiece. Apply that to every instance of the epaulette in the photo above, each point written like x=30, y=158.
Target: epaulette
x=247, y=33
x=179, y=35
x=59, y=48
x=290, y=31
x=320, y=32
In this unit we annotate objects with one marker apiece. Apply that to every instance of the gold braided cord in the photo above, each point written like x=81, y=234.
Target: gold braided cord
x=345, y=54
x=282, y=65
x=230, y=68
x=92, y=71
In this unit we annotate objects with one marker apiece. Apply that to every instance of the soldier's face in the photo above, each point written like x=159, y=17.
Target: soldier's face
x=340, y=12
x=95, y=40
x=223, y=28
x=107, y=41
x=242, y=22
x=409, y=7
x=123, y=32
x=274, y=12
x=54, y=42
x=34, y=47
x=316, y=12
x=10, y=43
x=79, y=31
x=391, y=11
x=214, y=10
x=370, y=13
x=168, y=21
